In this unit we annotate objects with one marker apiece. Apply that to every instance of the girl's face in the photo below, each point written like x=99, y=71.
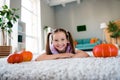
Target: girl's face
x=60, y=41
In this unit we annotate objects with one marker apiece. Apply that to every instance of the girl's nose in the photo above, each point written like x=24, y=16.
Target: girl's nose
x=59, y=42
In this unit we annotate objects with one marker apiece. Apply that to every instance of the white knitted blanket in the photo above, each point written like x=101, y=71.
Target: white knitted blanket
x=63, y=69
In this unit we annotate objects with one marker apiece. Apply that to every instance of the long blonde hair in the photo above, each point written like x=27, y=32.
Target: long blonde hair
x=68, y=36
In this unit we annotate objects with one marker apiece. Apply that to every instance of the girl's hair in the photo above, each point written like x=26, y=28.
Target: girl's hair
x=68, y=36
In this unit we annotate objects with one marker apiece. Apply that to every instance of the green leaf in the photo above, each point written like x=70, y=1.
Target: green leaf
x=14, y=19
x=5, y=7
x=9, y=31
x=10, y=12
x=17, y=16
x=10, y=25
x=112, y=27
x=0, y=20
x=2, y=13
x=45, y=27
x=8, y=16
x=2, y=27
x=14, y=9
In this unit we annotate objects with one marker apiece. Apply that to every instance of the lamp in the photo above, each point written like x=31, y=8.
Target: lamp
x=103, y=26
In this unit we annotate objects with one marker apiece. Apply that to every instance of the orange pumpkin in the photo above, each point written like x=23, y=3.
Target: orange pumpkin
x=15, y=58
x=105, y=50
x=27, y=55
x=92, y=41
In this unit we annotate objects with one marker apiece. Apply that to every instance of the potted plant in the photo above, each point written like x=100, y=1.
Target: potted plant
x=8, y=17
x=114, y=30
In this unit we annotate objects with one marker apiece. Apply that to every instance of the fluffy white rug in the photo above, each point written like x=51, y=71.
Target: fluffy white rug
x=63, y=69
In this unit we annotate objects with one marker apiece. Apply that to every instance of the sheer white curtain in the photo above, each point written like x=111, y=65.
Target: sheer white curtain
x=3, y=2
x=30, y=14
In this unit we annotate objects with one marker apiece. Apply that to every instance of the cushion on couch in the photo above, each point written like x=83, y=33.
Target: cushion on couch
x=85, y=41
x=79, y=41
x=93, y=40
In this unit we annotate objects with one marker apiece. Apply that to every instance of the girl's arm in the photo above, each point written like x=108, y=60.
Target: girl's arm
x=54, y=56
x=80, y=54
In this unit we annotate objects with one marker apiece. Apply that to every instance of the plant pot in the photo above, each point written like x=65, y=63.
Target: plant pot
x=5, y=50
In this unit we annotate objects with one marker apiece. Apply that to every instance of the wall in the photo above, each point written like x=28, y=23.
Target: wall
x=47, y=18
x=88, y=12
x=16, y=4
x=14, y=40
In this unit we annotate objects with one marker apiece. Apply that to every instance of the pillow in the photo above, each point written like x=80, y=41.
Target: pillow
x=75, y=42
x=85, y=41
x=93, y=40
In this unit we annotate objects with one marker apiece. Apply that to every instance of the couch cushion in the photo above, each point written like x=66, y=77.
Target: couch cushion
x=85, y=41
x=89, y=45
x=80, y=41
x=79, y=45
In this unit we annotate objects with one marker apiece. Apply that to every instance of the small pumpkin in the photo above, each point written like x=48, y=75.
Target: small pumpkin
x=15, y=58
x=105, y=50
x=92, y=41
x=27, y=55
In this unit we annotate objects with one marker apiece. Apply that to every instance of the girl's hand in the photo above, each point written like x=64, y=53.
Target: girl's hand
x=80, y=54
x=66, y=55
x=55, y=56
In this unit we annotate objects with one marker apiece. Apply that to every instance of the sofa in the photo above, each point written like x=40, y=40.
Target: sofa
x=87, y=43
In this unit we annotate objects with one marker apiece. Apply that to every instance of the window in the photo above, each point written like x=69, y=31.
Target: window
x=3, y=2
x=30, y=14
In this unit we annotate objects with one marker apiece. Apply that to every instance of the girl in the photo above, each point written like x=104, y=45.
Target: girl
x=60, y=46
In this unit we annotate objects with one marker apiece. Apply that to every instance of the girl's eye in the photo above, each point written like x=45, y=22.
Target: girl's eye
x=56, y=40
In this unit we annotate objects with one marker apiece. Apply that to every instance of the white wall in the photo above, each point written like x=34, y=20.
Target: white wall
x=47, y=18
x=14, y=40
x=47, y=15
x=16, y=4
x=88, y=12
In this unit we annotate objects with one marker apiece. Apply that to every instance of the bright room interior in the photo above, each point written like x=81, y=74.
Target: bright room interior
x=67, y=14
x=91, y=22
